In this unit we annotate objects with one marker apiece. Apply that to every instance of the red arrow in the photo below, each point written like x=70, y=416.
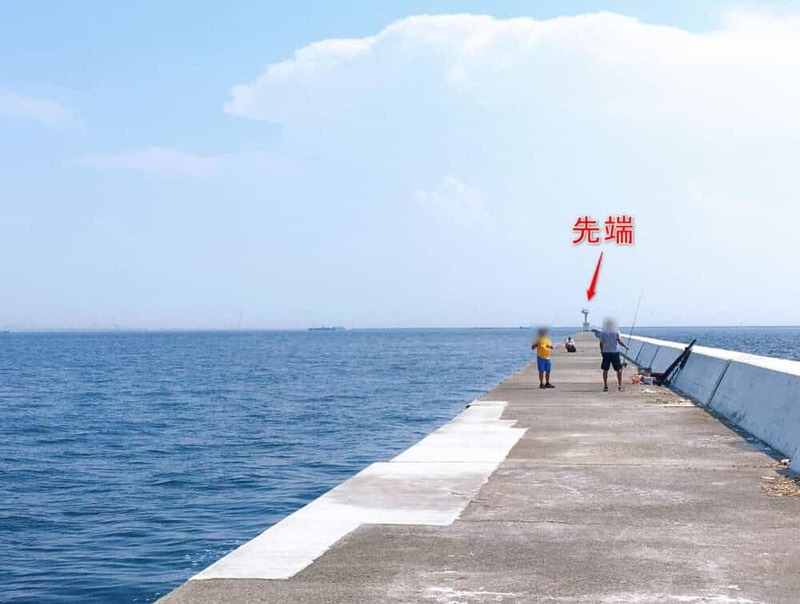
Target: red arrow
x=591, y=291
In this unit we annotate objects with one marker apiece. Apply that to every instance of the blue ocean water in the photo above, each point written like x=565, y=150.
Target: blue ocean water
x=132, y=460
x=780, y=342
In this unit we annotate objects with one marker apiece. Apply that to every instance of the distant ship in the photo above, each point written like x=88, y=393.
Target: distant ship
x=323, y=328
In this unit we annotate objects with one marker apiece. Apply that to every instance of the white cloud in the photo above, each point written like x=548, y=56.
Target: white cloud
x=46, y=112
x=539, y=122
x=168, y=162
x=157, y=161
x=455, y=202
x=599, y=64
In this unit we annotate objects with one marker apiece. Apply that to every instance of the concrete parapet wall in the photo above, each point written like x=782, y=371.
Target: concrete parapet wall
x=665, y=355
x=634, y=347
x=646, y=354
x=764, y=402
x=699, y=377
x=759, y=394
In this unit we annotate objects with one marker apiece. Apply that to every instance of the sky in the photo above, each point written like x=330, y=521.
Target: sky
x=199, y=165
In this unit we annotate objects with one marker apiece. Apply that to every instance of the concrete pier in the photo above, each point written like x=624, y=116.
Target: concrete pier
x=632, y=497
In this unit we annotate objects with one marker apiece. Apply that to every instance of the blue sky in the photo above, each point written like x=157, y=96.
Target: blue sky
x=188, y=165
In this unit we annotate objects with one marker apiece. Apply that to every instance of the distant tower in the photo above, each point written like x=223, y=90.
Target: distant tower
x=586, y=326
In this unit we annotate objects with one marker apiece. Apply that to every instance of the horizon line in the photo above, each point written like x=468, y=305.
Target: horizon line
x=28, y=330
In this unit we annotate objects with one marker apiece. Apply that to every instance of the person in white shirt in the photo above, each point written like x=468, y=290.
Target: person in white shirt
x=609, y=348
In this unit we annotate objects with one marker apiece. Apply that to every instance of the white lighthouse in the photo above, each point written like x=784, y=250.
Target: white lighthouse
x=586, y=326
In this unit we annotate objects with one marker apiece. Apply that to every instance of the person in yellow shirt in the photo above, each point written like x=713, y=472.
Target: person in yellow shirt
x=542, y=345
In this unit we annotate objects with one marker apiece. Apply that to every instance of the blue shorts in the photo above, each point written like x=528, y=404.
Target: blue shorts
x=544, y=364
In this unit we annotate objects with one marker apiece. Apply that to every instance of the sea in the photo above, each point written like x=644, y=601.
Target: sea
x=129, y=461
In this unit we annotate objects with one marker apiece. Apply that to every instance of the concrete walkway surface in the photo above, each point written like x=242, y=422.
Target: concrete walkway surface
x=633, y=497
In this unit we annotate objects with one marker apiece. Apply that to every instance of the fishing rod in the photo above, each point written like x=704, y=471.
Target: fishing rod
x=553, y=322
x=635, y=316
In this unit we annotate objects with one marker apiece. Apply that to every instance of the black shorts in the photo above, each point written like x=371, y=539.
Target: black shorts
x=611, y=358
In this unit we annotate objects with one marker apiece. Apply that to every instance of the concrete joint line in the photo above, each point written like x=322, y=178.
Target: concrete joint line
x=718, y=382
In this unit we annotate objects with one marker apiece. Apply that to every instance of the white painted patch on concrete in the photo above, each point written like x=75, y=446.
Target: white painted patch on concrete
x=650, y=598
x=448, y=595
x=430, y=483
